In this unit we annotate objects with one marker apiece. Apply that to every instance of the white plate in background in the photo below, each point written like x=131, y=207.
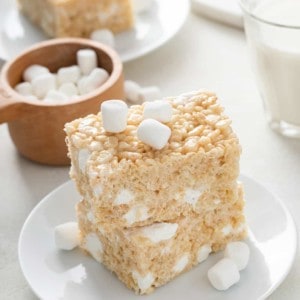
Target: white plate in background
x=152, y=29
x=70, y=275
x=225, y=11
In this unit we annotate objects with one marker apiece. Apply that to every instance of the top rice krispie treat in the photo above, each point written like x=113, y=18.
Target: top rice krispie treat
x=126, y=182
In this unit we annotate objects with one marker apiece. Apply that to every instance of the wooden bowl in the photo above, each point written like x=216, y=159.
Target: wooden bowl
x=36, y=128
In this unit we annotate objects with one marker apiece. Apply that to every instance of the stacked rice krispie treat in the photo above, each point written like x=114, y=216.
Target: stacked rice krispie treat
x=147, y=214
x=78, y=18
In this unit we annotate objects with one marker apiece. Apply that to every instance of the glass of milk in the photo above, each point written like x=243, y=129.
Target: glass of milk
x=273, y=33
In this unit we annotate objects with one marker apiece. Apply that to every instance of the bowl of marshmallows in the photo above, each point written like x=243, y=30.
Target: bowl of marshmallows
x=53, y=83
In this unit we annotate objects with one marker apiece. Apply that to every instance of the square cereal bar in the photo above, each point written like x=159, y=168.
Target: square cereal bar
x=78, y=18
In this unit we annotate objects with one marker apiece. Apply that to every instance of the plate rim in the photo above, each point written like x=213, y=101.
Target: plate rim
x=241, y=176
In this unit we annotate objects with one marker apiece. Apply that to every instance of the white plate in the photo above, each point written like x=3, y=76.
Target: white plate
x=153, y=28
x=228, y=12
x=54, y=274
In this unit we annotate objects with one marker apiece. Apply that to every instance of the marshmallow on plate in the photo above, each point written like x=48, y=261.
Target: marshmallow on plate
x=104, y=36
x=159, y=110
x=33, y=71
x=114, y=115
x=42, y=84
x=153, y=133
x=223, y=274
x=24, y=88
x=239, y=252
x=67, y=236
x=68, y=74
x=87, y=60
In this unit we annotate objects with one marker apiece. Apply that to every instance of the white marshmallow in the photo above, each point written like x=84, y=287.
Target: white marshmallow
x=159, y=231
x=69, y=89
x=42, y=84
x=97, y=77
x=33, y=71
x=94, y=246
x=239, y=252
x=55, y=97
x=144, y=282
x=81, y=85
x=226, y=230
x=68, y=74
x=203, y=253
x=224, y=274
x=192, y=196
x=83, y=156
x=136, y=214
x=181, y=263
x=104, y=36
x=24, y=88
x=114, y=115
x=124, y=197
x=141, y=6
x=150, y=93
x=66, y=236
x=132, y=91
x=87, y=60
x=153, y=133
x=159, y=110
x=31, y=98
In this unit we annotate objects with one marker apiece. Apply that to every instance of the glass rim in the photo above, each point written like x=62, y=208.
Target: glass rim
x=243, y=5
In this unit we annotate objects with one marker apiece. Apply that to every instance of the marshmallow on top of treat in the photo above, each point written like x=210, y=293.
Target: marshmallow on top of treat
x=114, y=115
x=66, y=236
x=153, y=133
x=159, y=110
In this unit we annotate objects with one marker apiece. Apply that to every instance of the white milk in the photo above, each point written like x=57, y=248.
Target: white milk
x=277, y=57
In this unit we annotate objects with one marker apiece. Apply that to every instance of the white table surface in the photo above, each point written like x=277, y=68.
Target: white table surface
x=203, y=54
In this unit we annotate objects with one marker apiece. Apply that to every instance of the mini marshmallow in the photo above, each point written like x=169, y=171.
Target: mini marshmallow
x=132, y=91
x=69, y=89
x=159, y=110
x=68, y=74
x=55, y=97
x=224, y=274
x=141, y=6
x=150, y=93
x=87, y=60
x=42, y=84
x=203, y=253
x=24, y=88
x=81, y=85
x=159, y=231
x=104, y=36
x=66, y=236
x=97, y=77
x=33, y=71
x=153, y=133
x=114, y=115
x=239, y=252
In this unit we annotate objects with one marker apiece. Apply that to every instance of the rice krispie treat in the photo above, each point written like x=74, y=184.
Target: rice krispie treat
x=147, y=211
x=78, y=18
x=146, y=257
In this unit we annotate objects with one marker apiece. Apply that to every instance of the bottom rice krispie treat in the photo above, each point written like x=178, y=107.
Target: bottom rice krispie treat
x=149, y=256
